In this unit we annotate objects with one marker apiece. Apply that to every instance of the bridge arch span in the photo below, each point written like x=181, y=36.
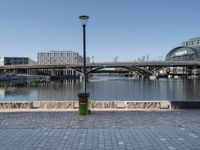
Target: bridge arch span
x=139, y=71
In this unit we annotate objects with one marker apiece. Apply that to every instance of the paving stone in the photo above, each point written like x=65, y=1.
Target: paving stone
x=170, y=130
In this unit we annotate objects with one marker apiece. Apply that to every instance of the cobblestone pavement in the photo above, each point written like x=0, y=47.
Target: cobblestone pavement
x=152, y=130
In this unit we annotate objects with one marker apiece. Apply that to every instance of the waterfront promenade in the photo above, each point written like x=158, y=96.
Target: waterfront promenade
x=102, y=130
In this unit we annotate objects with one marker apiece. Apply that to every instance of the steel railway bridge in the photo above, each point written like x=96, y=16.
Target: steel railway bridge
x=146, y=68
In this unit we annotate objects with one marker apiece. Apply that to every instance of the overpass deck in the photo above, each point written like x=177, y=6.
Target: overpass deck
x=107, y=64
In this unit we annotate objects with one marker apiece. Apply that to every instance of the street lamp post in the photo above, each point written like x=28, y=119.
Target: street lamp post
x=84, y=21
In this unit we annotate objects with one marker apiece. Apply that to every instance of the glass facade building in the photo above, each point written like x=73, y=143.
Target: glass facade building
x=192, y=42
x=13, y=61
x=184, y=53
x=59, y=57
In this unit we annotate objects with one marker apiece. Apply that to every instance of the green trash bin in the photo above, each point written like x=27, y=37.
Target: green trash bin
x=83, y=103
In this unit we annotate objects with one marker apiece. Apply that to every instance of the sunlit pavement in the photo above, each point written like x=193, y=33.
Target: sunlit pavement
x=179, y=129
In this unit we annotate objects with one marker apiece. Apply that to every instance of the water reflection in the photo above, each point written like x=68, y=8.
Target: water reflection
x=103, y=88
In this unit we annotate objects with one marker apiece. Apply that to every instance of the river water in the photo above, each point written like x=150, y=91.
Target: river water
x=103, y=88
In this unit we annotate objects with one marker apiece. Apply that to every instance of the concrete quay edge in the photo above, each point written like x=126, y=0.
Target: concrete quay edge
x=97, y=105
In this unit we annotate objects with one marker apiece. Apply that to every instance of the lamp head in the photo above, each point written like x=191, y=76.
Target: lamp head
x=84, y=19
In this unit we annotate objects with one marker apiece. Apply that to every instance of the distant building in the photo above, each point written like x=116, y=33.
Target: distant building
x=13, y=60
x=87, y=59
x=189, y=51
x=59, y=57
x=192, y=42
x=184, y=53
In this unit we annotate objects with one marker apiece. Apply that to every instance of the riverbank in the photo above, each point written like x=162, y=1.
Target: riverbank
x=13, y=78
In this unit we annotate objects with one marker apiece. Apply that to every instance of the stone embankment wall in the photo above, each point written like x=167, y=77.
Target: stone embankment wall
x=94, y=105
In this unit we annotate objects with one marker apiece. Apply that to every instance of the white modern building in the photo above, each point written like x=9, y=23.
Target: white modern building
x=192, y=42
x=59, y=57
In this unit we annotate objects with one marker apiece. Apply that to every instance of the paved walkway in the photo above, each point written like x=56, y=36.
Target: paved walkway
x=154, y=130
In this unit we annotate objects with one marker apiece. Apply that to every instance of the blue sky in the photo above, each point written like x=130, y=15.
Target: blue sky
x=128, y=29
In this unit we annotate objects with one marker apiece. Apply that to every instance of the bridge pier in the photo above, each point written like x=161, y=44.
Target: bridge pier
x=81, y=77
x=152, y=77
x=52, y=72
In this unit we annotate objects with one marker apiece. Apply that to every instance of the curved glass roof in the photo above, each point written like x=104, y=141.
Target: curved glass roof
x=184, y=53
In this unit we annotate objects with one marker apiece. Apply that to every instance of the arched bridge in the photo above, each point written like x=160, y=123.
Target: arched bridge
x=144, y=68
